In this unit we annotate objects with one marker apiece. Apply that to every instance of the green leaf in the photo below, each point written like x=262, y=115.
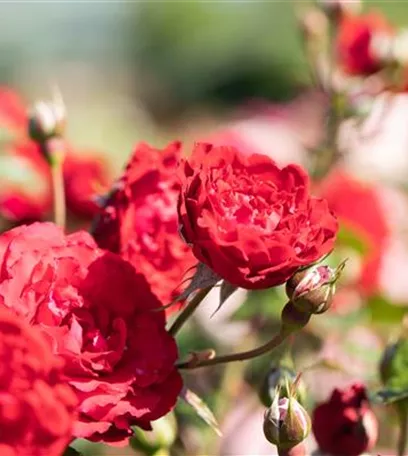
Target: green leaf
x=226, y=290
x=383, y=311
x=201, y=409
x=394, y=366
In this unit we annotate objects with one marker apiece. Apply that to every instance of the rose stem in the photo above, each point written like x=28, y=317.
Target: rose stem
x=403, y=428
x=292, y=320
x=188, y=310
x=241, y=356
x=58, y=192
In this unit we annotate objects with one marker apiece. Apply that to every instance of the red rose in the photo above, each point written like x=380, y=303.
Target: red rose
x=140, y=220
x=36, y=406
x=354, y=42
x=359, y=209
x=98, y=314
x=85, y=177
x=251, y=222
x=345, y=425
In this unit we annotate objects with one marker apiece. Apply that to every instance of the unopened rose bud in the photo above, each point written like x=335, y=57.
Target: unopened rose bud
x=312, y=289
x=47, y=120
x=277, y=379
x=286, y=423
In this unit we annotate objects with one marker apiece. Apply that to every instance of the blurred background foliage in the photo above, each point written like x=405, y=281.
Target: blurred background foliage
x=141, y=69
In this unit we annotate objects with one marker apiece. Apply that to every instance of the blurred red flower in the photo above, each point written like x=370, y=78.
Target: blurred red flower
x=98, y=313
x=37, y=407
x=86, y=176
x=13, y=113
x=355, y=46
x=251, y=222
x=359, y=209
x=345, y=425
x=140, y=220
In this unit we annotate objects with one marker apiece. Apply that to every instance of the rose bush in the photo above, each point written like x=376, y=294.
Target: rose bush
x=345, y=425
x=36, y=407
x=250, y=221
x=97, y=312
x=140, y=220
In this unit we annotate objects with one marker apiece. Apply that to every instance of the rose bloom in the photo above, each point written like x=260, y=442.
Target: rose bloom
x=37, y=406
x=86, y=176
x=356, y=48
x=140, y=220
x=345, y=425
x=98, y=313
x=359, y=208
x=253, y=223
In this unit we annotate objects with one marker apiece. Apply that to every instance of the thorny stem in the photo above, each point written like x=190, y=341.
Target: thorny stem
x=58, y=192
x=330, y=153
x=188, y=310
x=292, y=320
x=242, y=356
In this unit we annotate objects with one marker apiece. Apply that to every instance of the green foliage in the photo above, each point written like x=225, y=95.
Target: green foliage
x=382, y=311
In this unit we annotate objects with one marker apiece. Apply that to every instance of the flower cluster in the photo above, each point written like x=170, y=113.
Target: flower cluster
x=99, y=314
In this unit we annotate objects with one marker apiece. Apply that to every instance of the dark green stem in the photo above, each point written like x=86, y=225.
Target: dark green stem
x=188, y=310
x=241, y=356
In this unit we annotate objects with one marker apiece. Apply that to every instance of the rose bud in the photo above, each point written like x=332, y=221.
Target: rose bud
x=47, y=120
x=277, y=379
x=286, y=422
x=311, y=290
x=345, y=425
